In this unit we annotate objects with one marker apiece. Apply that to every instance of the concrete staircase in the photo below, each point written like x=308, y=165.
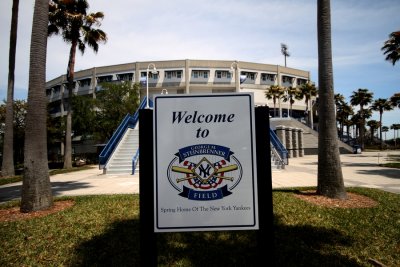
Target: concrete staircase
x=310, y=137
x=276, y=163
x=121, y=160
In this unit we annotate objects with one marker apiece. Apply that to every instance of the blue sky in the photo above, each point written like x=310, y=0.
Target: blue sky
x=245, y=30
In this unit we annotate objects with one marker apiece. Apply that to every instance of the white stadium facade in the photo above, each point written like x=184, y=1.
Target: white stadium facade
x=185, y=77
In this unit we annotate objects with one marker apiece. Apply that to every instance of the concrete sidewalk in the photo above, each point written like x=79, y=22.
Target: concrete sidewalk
x=359, y=170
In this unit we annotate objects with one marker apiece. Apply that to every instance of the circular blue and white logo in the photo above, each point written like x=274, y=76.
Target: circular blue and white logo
x=204, y=172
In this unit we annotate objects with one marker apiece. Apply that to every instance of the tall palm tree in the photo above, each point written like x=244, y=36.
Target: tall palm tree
x=342, y=116
x=385, y=129
x=381, y=105
x=361, y=97
x=70, y=18
x=330, y=177
x=307, y=92
x=36, y=189
x=7, y=167
x=274, y=92
x=290, y=94
x=373, y=125
x=395, y=100
x=395, y=127
x=391, y=47
x=339, y=101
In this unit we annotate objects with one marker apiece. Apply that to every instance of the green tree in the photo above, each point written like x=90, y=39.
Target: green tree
x=330, y=177
x=7, y=167
x=361, y=97
x=391, y=47
x=274, y=92
x=112, y=104
x=307, y=92
x=84, y=119
x=70, y=18
x=381, y=105
x=36, y=188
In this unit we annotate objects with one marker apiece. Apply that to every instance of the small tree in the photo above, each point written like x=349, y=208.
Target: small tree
x=307, y=92
x=274, y=92
x=112, y=103
x=361, y=97
x=381, y=105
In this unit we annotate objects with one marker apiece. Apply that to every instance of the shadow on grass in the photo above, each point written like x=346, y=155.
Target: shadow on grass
x=387, y=172
x=304, y=245
x=118, y=246
x=14, y=192
x=294, y=246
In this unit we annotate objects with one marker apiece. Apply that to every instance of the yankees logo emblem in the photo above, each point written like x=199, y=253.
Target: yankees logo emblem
x=204, y=172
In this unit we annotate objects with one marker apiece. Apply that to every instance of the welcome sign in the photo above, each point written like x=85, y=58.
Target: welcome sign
x=205, y=165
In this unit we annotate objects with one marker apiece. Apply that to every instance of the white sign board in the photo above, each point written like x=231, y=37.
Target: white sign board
x=205, y=165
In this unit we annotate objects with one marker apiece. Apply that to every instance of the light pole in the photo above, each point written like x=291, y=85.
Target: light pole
x=154, y=71
x=235, y=67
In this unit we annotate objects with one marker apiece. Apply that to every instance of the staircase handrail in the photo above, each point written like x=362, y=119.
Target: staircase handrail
x=135, y=161
x=129, y=121
x=279, y=148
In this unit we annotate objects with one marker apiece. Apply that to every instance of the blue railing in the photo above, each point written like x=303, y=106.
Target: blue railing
x=280, y=149
x=135, y=161
x=128, y=122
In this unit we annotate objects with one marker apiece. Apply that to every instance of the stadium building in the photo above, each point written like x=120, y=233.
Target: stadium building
x=185, y=77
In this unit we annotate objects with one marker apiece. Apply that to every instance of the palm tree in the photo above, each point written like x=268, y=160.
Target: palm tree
x=395, y=100
x=381, y=105
x=307, y=92
x=342, y=115
x=36, y=188
x=385, y=129
x=7, y=167
x=391, y=47
x=373, y=125
x=330, y=177
x=361, y=97
x=290, y=94
x=274, y=92
x=70, y=18
x=395, y=127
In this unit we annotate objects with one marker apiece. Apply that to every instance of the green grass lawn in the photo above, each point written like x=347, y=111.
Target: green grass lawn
x=104, y=231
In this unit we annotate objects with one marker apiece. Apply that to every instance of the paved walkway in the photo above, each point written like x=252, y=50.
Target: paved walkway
x=359, y=170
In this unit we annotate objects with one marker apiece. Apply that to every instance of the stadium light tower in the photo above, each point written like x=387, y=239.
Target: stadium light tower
x=285, y=52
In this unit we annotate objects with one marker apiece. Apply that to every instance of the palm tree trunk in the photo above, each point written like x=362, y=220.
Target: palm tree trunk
x=68, y=131
x=362, y=128
x=330, y=178
x=36, y=188
x=7, y=168
x=380, y=130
